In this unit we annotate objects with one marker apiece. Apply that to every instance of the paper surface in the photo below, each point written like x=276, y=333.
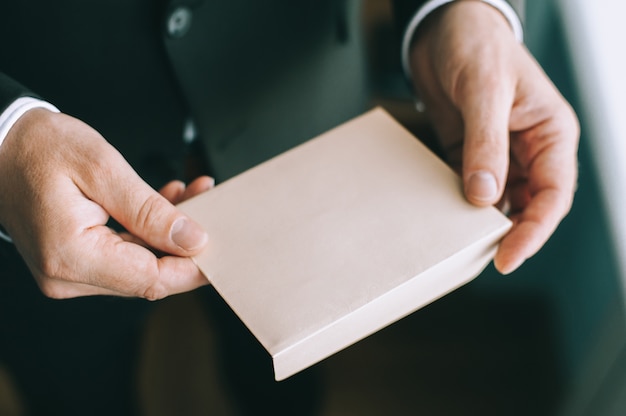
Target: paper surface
x=339, y=237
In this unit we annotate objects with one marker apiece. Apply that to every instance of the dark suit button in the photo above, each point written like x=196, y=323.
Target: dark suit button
x=179, y=22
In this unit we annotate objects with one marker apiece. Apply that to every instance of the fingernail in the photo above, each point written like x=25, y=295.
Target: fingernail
x=187, y=235
x=482, y=186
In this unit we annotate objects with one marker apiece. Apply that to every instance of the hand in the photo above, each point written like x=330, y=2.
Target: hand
x=500, y=120
x=60, y=181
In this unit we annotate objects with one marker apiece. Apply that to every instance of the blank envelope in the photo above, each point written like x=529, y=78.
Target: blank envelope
x=339, y=237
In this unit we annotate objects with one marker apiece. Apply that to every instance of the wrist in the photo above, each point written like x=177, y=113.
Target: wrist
x=433, y=7
x=14, y=112
x=461, y=32
x=18, y=113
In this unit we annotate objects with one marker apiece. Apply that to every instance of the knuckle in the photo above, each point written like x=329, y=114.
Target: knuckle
x=568, y=201
x=152, y=286
x=155, y=291
x=52, y=289
x=573, y=123
x=469, y=78
x=150, y=212
x=49, y=267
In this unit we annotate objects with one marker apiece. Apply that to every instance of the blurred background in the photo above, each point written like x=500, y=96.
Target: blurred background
x=547, y=340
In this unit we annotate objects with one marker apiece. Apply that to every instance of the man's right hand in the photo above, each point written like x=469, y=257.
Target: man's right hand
x=60, y=181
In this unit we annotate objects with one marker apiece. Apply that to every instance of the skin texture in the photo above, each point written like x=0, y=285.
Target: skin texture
x=57, y=203
x=500, y=120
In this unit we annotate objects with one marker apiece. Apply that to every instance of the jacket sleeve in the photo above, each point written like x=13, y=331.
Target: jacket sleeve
x=404, y=10
x=11, y=90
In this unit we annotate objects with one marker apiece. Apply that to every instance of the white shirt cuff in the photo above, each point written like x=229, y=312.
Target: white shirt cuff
x=430, y=6
x=10, y=116
x=17, y=109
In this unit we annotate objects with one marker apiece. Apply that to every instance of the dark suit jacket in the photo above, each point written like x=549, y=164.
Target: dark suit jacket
x=257, y=77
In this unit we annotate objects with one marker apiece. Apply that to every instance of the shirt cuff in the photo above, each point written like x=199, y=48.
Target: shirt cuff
x=430, y=6
x=10, y=116
x=17, y=109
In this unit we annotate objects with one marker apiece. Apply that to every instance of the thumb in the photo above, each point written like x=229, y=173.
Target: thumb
x=152, y=218
x=485, y=113
x=145, y=213
x=149, y=216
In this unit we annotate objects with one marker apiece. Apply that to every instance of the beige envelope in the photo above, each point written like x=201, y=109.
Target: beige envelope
x=339, y=237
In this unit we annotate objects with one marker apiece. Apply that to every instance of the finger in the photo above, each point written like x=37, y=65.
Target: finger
x=98, y=261
x=173, y=191
x=198, y=186
x=531, y=230
x=485, y=105
x=141, y=210
x=542, y=202
x=168, y=284
x=516, y=194
x=61, y=289
x=119, y=266
x=177, y=192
